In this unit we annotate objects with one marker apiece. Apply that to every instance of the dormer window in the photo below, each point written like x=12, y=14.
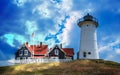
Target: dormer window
x=20, y=52
x=25, y=52
x=56, y=52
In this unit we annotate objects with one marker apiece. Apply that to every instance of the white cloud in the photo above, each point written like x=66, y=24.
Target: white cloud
x=117, y=51
x=56, y=12
x=105, y=38
x=11, y=37
x=12, y=61
x=39, y=37
x=21, y=39
x=66, y=6
x=7, y=62
x=43, y=9
x=65, y=37
x=90, y=8
x=109, y=45
x=50, y=43
x=20, y=3
x=31, y=27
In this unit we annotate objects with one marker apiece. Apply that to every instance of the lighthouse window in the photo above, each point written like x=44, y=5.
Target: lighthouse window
x=89, y=52
x=84, y=54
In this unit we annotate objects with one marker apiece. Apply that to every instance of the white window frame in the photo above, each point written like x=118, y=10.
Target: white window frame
x=20, y=52
x=25, y=52
x=56, y=52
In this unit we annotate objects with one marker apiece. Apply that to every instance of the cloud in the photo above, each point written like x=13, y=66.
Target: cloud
x=109, y=45
x=20, y=3
x=66, y=6
x=44, y=11
x=7, y=62
x=117, y=51
x=31, y=27
x=65, y=36
x=112, y=55
x=109, y=48
x=11, y=37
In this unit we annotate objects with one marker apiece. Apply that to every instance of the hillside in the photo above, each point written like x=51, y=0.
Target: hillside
x=77, y=67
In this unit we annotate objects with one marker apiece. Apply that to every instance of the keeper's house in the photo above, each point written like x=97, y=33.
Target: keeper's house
x=41, y=51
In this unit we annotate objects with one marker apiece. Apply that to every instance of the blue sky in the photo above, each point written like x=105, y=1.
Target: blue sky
x=55, y=22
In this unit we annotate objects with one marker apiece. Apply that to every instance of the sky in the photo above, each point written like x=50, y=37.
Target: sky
x=54, y=22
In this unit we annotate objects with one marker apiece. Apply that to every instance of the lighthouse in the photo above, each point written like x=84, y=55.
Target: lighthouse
x=88, y=38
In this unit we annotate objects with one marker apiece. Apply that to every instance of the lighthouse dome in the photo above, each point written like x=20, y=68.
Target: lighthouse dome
x=88, y=17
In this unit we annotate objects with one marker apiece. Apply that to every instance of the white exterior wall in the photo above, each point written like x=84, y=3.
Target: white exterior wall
x=88, y=42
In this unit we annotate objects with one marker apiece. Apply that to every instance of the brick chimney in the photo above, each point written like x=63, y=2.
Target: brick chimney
x=40, y=44
x=60, y=46
x=26, y=43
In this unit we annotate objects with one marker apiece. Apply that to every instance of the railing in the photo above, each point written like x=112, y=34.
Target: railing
x=82, y=19
x=28, y=61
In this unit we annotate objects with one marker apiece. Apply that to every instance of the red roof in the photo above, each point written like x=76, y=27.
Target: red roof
x=43, y=49
x=68, y=51
x=37, y=49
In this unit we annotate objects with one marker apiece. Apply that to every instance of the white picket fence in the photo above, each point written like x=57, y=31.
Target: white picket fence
x=28, y=61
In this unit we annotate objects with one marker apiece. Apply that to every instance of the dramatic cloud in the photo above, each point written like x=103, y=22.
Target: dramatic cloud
x=109, y=45
x=11, y=37
x=31, y=27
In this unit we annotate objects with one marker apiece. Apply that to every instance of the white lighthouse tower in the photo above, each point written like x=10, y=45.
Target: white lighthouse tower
x=88, y=40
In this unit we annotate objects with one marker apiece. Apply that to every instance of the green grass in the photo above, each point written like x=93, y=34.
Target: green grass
x=77, y=67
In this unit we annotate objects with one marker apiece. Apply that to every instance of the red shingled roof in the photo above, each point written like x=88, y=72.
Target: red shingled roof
x=68, y=51
x=42, y=50
x=37, y=49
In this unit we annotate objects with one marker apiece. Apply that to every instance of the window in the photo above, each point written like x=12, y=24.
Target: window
x=56, y=52
x=89, y=53
x=84, y=54
x=25, y=52
x=20, y=52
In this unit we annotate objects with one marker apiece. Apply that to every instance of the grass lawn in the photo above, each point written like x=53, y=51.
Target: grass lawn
x=76, y=67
